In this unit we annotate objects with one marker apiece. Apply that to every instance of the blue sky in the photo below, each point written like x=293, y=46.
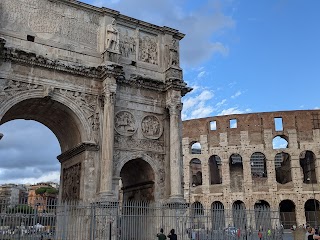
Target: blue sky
x=239, y=56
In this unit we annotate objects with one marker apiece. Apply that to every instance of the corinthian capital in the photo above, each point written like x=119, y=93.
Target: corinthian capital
x=174, y=108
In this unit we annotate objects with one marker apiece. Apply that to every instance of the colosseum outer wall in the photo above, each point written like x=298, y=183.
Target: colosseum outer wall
x=294, y=177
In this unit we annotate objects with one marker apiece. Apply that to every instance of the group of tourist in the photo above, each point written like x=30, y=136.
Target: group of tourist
x=311, y=233
x=171, y=236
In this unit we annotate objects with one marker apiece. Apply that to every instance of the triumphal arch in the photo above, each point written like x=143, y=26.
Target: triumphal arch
x=107, y=85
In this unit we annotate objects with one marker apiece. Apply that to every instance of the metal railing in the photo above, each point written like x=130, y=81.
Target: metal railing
x=133, y=220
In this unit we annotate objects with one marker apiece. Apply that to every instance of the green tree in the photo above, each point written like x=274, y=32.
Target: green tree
x=48, y=190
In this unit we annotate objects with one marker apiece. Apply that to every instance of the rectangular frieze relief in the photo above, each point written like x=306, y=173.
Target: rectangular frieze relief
x=129, y=143
x=148, y=48
x=128, y=42
x=71, y=182
x=50, y=20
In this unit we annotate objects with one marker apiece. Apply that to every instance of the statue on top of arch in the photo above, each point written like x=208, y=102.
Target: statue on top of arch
x=112, y=37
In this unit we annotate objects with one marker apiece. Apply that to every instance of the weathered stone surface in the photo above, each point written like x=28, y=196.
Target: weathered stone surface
x=103, y=83
x=290, y=178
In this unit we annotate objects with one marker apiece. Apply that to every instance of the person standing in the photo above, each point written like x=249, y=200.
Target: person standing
x=269, y=233
x=172, y=235
x=312, y=235
x=260, y=235
x=161, y=236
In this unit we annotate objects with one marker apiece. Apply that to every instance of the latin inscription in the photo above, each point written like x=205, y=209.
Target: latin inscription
x=49, y=20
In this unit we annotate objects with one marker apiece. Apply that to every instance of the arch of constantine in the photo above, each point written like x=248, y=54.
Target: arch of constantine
x=107, y=85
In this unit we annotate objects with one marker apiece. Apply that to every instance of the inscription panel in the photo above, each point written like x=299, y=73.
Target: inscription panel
x=50, y=20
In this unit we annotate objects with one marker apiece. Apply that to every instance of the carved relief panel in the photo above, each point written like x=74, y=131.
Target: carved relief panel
x=127, y=43
x=172, y=53
x=10, y=88
x=71, y=182
x=148, y=48
x=125, y=123
x=151, y=127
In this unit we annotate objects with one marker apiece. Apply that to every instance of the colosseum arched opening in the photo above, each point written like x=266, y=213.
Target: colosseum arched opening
x=282, y=163
x=239, y=214
x=287, y=210
x=307, y=163
x=236, y=172
x=262, y=215
x=215, y=170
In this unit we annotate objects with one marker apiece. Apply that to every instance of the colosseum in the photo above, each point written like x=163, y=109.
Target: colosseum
x=252, y=160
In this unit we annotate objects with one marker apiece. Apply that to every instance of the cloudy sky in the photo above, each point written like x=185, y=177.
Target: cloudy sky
x=239, y=56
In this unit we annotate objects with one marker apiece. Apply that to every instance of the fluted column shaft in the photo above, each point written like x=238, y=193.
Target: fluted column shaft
x=175, y=151
x=107, y=138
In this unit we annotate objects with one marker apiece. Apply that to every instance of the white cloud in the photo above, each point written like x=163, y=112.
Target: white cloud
x=201, y=74
x=233, y=110
x=222, y=102
x=218, y=47
x=28, y=150
x=237, y=94
x=199, y=24
x=202, y=111
x=53, y=176
x=195, y=105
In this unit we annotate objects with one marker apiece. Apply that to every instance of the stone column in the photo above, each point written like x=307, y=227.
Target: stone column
x=226, y=174
x=175, y=108
x=296, y=173
x=106, y=174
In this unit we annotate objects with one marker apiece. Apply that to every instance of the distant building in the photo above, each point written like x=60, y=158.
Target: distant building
x=11, y=194
x=42, y=199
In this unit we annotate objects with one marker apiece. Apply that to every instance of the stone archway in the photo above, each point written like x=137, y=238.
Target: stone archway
x=138, y=181
x=67, y=123
x=287, y=210
x=239, y=214
x=262, y=215
x=218, y=215
x=312, y=212
x=114, y=101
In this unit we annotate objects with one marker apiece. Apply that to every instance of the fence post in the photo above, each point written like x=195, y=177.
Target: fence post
x=64, y=221
x=91, y=221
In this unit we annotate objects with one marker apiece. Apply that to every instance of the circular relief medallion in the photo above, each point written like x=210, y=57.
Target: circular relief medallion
x=151, y=127
x=125, y=123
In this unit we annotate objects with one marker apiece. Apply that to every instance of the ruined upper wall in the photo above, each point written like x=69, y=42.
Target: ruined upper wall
x=76, y=32
x=256, y=125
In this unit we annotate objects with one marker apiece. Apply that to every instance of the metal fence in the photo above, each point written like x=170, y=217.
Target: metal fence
x=133, y=220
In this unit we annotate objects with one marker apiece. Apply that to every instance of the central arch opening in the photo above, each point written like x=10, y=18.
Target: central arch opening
x=28, y=153
x=64, y=124
x=137, y=181
x=137, y=194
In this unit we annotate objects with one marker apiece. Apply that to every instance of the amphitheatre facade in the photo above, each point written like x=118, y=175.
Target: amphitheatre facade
x=234, y=161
